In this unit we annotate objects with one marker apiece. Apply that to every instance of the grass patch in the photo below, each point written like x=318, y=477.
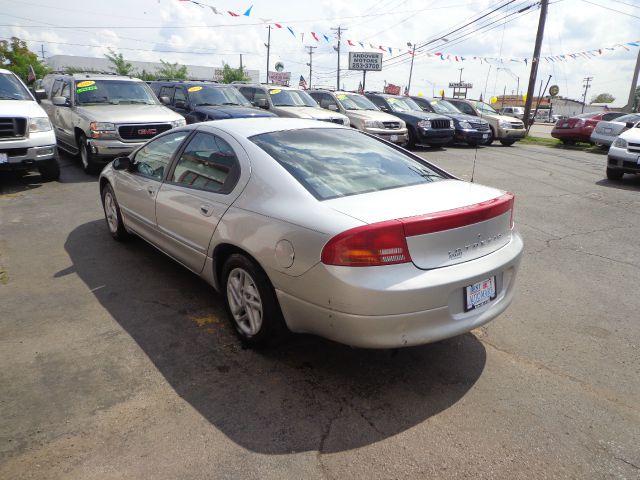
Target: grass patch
x=555, y=143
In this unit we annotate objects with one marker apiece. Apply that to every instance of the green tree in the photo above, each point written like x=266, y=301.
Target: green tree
x=171, y=71
x=146, y=76
x=603, y=98
x=16, y=56
x=120, y=65
x=230, y=74
x=72, y=70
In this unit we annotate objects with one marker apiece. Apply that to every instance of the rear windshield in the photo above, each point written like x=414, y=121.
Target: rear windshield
x=634, y=117
x=333, y=163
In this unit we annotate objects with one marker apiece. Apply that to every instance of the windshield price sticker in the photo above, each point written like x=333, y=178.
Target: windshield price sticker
x=342, y=96
x=86, y=86
x=194, y=89
x=275, y=91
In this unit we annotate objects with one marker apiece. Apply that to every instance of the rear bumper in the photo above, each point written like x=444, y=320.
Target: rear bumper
x=571, y=134
x=602, y=138
x=397, y=305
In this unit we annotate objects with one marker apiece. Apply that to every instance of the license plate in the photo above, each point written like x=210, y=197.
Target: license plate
x=485, y=136
x=565, y=124
x=479, y=294
x=4, y=158
x=607, y=130
x=394, y=138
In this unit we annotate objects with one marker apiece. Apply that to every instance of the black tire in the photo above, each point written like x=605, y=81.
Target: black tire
x=49, y=170
x=614, y=174
x=114, y=217
x=271, y=327
x=507, y=143
x=489, y=140
x=568, y=141
x=86, y=157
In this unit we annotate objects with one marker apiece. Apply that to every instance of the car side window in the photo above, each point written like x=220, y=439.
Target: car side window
x=57, y=86
x=247, y=92
x=66, y=90
x=152, y=159
x=207, y=163
x=260, y=94
x=326, y=100
x=379, y=102
x=610, y=116
x=166, y=92
x=316, y=96
x=465, y=108
x=180, y=95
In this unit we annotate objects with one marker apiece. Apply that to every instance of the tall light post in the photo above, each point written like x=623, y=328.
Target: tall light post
x=413, y=54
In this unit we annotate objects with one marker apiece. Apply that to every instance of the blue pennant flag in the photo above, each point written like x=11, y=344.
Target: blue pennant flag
x=248, y=12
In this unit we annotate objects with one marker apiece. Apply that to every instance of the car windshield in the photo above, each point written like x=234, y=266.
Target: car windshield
x=485, y=108
x=442, y=106
x=291, y=98
x=355, y=102
x=400, y=104
x=12, y=89
x=333, y=163
x=113, y=92
x=634, y=117
x=208, y=95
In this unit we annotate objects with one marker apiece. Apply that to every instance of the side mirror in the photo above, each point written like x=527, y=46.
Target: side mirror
x=61, y=101
x=262, y=103
x=630, y=124
x=180, y=104
x=385, y=109
x=40, y=93
x=122, y=163
x=165, y=100
x=332, y=107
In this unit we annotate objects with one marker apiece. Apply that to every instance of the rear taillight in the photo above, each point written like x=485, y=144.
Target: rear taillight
x=385, y=243
x=381, y=243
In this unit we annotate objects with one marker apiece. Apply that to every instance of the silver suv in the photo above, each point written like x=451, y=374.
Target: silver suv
x=101, y=116
x=363, y=114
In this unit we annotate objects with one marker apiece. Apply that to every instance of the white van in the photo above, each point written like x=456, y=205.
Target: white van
x=27, y=140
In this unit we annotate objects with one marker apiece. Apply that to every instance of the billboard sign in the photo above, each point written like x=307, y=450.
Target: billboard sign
x=365, y=61
x=280, y=78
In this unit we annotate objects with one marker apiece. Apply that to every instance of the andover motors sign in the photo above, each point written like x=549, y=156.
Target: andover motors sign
x=365, y=61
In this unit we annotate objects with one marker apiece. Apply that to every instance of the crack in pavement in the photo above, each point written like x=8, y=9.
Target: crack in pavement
x=627, y=462
x=607, y=395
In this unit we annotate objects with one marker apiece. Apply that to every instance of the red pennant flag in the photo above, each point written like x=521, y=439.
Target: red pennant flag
x=315, y=37
x=351, y=44
x=232, y=13
x=380, y=48
x=457, y=59
x=278, y=25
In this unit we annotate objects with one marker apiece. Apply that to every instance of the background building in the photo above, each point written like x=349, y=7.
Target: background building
x=194, y=72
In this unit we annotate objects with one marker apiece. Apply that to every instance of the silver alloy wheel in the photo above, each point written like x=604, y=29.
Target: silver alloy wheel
x=110, y=212
x=83, y=155
x=244, y=301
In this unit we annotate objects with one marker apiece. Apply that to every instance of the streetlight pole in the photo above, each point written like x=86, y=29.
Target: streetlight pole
x=413, y=54
x=268, y=45
x=310, y=63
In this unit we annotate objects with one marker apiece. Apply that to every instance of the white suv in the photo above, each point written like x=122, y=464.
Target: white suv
x=27, y=140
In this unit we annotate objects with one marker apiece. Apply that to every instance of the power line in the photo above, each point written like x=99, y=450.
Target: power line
x=612, y=9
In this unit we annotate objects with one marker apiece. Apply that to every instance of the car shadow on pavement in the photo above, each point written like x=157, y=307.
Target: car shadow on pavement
x=308, y=394
x=628, y=182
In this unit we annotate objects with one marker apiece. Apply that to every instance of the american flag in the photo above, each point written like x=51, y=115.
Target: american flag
x=302, y=83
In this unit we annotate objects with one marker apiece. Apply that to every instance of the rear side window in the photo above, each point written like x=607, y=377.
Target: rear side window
x=207, y=163
x=333, y=163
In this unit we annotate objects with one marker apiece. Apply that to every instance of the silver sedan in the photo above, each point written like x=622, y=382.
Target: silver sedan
x=311, y=227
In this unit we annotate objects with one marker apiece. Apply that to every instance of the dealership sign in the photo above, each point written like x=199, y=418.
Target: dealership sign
x=365, y=61
x=279, y=78
x=460, y=85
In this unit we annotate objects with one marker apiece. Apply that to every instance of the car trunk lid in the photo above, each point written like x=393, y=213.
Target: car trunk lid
x=445, y=222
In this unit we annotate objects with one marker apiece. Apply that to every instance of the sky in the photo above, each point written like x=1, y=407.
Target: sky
x=187, y=33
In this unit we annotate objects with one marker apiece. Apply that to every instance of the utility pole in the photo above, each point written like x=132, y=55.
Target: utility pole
x=268, y=45
x=544, y=4
x=310, y=63
x=634, y=84
x=413, y=54
x=42, y=50
x=587, y=80
x=461, y=74
x=339, y=30
x=241, y=62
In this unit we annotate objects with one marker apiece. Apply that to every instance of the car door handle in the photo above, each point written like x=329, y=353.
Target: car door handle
x=151, y=191
x=206, y=209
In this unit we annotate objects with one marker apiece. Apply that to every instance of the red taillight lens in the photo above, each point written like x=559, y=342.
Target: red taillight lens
x=381, y=243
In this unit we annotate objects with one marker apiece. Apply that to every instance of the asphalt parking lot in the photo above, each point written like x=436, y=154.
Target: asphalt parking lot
x=118, y=364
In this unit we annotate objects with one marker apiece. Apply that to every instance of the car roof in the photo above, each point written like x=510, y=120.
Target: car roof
x=248, y=127
x=95, y=76
x=187, y=83
x=2, y=70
